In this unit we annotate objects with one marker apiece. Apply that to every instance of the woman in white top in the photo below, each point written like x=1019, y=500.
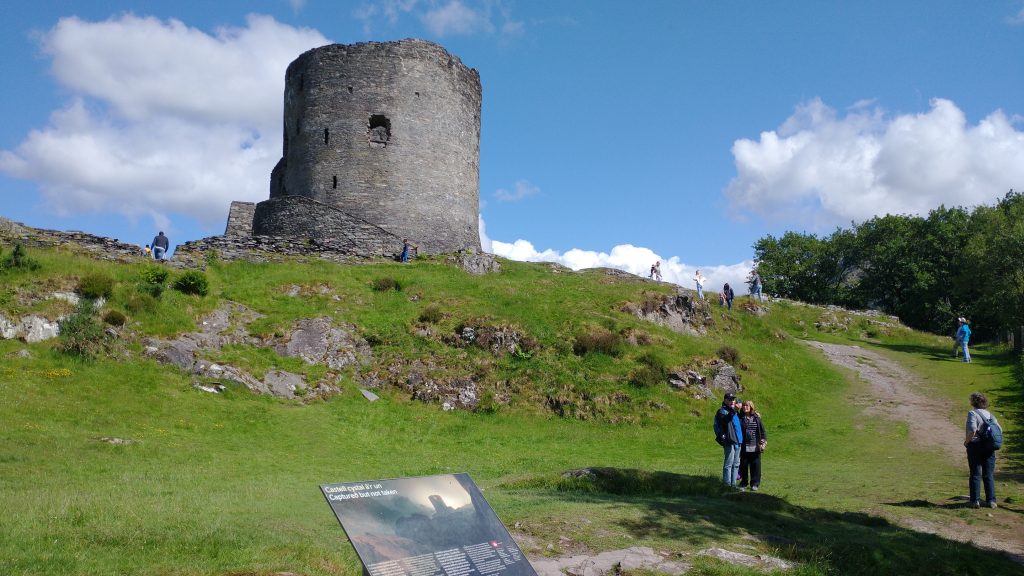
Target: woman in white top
x=981, y=459
x=699, y=279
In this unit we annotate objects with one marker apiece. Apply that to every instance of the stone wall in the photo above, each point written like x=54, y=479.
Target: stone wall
x=240, y=219
x=324, y=225
x=387, y=132
x=96, y=246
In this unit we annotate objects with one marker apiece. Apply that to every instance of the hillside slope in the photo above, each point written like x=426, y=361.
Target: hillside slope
x=121, y=464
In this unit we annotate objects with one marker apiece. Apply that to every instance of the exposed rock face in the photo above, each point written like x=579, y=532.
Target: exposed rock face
x=316, y=341
x=689, y=381
x=31, y=329
x=726, y=379
x=680, y=312
x=476, y=263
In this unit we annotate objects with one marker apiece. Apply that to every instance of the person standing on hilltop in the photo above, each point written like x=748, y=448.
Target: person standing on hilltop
x=755, y=285
x=728, y=295
x=963, y=336
x=699, y=279
x=160, y=246
x=729, y=435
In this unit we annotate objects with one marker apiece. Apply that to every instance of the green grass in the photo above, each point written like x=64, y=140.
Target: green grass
x=228, y=484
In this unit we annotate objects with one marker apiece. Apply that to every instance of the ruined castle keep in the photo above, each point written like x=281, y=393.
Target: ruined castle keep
x=381, y=143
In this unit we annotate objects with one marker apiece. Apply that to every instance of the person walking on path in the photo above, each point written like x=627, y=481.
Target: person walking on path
x=699, y=279
x=754, y=442
x=981, y=458
x=729, y=434
x=963, y=336
x=160, y=246
x=728, y=294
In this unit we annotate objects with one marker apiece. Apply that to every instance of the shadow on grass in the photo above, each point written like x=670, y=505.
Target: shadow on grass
x=699, y=511
x=960, y=505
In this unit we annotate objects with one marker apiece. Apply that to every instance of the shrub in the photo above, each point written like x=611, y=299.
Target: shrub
x=95, y=286
x=152, y=279
x=598, y=340
x=431, y=314
x=139, y=302
x=19, y=259
x=385, y=284
x=651, y=371
x=192, y=282
x=81, y=334
x=114, y=318
x=729, y=354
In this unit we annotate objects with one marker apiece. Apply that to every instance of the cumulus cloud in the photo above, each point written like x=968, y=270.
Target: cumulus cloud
x=455, y=17
x=823, y=169
x=522, y=189
x=162, y=118
x=633, y=259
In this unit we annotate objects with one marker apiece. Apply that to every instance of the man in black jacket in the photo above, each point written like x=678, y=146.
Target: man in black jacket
x=730, y=435
x=160, y=246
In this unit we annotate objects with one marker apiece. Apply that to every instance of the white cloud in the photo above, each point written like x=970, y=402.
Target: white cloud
x=1017, y=19
x=633, y=259
x=297, y=5
x=454, y=17
x=163, y=118
x=821, y=170
x=522, y=189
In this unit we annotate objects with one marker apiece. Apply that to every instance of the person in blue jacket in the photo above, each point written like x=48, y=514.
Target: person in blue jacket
x=963, y=335
x=729, y=434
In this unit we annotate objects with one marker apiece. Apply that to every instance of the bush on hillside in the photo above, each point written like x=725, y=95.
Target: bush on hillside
x=432, y=314
x=95, y=286
x=598, y=340
x=19, y=259
x=729, y=354
x=385, y=284
x=140, y=302
x=650, y=372
x=152, y=279
x=192, y=282
x=115, y=318
x=81, y=334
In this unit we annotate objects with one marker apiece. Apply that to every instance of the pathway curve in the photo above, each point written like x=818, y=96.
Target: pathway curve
x=893, y=396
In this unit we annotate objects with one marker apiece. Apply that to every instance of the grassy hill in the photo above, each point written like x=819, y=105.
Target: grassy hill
x=228, y=483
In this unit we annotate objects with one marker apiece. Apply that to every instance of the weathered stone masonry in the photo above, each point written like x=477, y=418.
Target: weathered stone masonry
x=381, y=142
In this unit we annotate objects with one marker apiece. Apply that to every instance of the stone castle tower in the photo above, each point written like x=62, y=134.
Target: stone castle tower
x=381, y=143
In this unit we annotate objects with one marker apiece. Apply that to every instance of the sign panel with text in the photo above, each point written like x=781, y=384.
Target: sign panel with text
x=427, y=526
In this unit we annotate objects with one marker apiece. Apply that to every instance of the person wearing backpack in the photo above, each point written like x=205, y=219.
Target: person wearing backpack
x=984, y=437
x=729, y=435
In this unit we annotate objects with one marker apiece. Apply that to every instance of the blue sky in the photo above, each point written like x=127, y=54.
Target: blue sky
x=613, y=133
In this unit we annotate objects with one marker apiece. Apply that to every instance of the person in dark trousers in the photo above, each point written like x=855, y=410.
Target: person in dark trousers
x=729, y=435
x=981, y=459
x=728, y=294
x=754, y=442
x=160, y=246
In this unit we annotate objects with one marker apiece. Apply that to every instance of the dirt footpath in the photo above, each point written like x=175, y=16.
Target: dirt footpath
x=893, y=396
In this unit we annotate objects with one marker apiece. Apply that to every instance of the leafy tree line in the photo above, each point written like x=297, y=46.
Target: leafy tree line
x=925, y=270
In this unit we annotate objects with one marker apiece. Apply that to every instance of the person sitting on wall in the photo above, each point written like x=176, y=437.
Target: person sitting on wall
x=160, y=246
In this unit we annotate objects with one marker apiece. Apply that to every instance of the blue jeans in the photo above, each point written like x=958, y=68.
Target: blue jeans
x=731, y=466
x=700, y=291
x=757, y=292
x=967, y=354
x=982, y=464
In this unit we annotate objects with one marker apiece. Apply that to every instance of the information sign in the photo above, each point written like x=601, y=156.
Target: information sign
x=426, y=526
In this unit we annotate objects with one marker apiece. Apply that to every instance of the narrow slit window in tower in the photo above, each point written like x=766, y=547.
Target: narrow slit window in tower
x=327, y=135
x=335, y=184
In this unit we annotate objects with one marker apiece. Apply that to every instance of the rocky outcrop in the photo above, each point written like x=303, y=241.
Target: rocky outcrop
x=680, y=312
x=476, y=263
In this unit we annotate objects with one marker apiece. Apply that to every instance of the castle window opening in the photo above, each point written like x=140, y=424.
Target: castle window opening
x=327, y=136
x=379, y=130
x=335, y=184
x=349, y=89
